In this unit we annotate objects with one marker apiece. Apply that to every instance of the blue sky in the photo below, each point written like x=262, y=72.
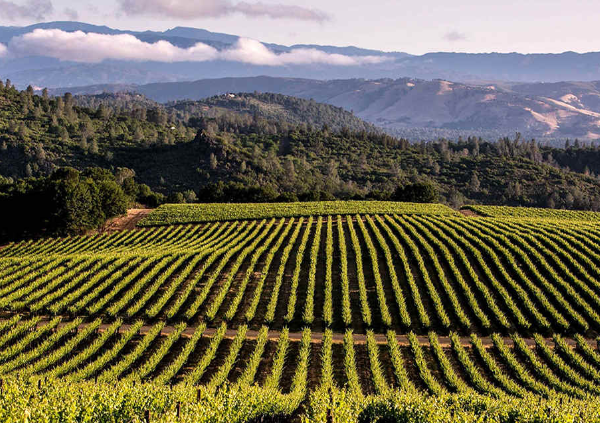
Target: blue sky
x=395, y=25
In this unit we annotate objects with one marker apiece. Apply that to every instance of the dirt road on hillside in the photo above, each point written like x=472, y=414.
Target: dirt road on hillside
x=126, y=222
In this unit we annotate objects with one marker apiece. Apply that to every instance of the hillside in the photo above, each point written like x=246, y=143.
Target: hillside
x=271, y=107
x=380, y=312
x=256, y=158
x=275, y=108
x=419, y=109
x=478, y=299
x=39, y=134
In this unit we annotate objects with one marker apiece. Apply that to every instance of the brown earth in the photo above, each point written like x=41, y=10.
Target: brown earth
x=317, y=337
x=469, y=213
x=127, y=222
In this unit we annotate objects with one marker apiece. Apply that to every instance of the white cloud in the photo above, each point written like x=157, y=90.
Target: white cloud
x=32, y=9
x=94, y=48
x=187, y=9
x=3, y=50
x=256, y=53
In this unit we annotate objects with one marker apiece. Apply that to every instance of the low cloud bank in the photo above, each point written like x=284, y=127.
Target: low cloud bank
x=186, y=9
x=95, y=48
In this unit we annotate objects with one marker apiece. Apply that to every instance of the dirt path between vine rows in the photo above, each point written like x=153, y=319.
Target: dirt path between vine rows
x=127, y=222
x=338, y=338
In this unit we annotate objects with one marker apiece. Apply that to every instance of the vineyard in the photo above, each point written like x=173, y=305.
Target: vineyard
x=532, y=212
x=174, y=214
x=413, y=309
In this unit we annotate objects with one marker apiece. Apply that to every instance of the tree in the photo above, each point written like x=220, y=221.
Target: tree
x=569, y=200
x=190, y=196
x=124, y=174
x=138, y=135
x=68, y=99
x=176, y=198
x=98, y=174
x=74, y=202
x=63, y=134
x=420, y=192
x=456, y=199
x=60, y=106
x=23, y=131
x=213, y=161
x=514, y=190
x=474, y=185
x=102, y=112
x=94, y=146
x=112, y=198
x=83, y=143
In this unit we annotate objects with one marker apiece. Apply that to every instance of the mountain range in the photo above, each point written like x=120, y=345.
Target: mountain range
x=415, y=108
x=460, y=67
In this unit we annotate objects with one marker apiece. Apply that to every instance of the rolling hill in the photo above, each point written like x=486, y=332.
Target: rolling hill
x=419, y=109
x=269, y=106
x=271, y=147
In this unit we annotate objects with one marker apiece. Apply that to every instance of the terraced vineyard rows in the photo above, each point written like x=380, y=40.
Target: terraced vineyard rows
x=533, y=212
x=170, y=214
x=358, y=305
x=368, y=364
x=357, y=272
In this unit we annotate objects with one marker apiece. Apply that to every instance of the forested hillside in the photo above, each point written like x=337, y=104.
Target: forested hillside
x=270, y=147
x=419, y=109
x=269, y=106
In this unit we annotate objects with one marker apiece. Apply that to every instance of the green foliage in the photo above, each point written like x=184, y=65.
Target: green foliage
x=420, y=192
x=170, y=214
x=266, y=147
x=69, y=402
x=409, y=406
x=263, y=110
x=73, y=202
x=432, y=271
x=55, y=400
x=532, y=212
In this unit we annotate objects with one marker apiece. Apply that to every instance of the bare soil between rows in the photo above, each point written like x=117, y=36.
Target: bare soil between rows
x=317, y=337
x=127, y=222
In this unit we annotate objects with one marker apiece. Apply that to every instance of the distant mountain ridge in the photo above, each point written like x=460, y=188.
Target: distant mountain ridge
x=418, y=109
x=460, y=67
